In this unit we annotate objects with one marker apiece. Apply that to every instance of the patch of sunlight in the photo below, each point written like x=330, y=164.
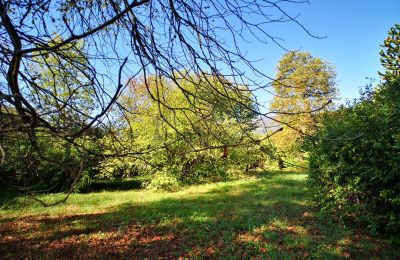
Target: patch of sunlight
x=344, y=241
x=278, y=224
x=248, y=238
x=281, y=226
x=215, y=187
x=104, y=201
x=298, y=177
x=301, y=202
x=101, y=235
x=168, y=222
x=201, y=217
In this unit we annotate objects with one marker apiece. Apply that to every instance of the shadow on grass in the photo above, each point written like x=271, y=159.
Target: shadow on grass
x=124, y=184
x=269, y=217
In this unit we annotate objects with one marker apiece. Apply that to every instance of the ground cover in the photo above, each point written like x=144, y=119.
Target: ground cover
x=268, y=215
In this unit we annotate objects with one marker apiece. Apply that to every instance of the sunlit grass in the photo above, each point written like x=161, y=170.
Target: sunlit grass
x=269, y=216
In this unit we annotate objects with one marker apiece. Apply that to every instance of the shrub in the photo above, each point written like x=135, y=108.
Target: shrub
x=355, y=160
x=115, y=184
x=355, y=155
x=84, y=184
x=165, y=180
x=203, y=169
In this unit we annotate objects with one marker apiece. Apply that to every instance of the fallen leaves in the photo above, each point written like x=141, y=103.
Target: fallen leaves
x=59, y=238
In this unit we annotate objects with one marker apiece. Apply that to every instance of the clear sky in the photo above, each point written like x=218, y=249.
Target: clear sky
x=354, y=30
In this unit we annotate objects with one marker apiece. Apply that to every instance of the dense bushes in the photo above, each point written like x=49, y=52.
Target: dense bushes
x=355, y=160
x=50, y=164
x=355, y=155
x=205, y=167
x=173, y=145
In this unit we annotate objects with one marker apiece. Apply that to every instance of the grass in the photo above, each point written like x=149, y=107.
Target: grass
x=265, y=217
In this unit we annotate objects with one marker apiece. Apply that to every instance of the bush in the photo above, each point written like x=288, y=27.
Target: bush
x=203, y=169
x=165, y=180
x=355, y=155
x=355, y=161
x=125, y=184
x=84, y=184
x=50, y=165
x=117, y=168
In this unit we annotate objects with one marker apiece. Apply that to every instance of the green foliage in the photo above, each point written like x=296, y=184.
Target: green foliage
x=390, y=57
x=84, y=184
x=52, y=165
x=204, y=169
x=44, y=161
x=180, y=128
x=355, y=159
x=117, y=168
x=65, y=96
x=125, y=184
x=304, y=87
x=165, y=180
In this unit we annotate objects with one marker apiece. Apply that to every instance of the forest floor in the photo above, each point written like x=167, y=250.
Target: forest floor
x=268, y=215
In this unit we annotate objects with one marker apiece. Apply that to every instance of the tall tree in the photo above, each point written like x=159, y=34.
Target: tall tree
x=390, y=57
x=46, y=161
x=304, y=87
x=123, y=39
x=168, y=135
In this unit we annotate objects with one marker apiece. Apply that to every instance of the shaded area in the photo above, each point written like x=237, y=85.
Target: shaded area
x=124, y=184
x=268, y=217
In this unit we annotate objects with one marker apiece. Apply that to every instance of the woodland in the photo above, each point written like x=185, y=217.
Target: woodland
x=137, y=129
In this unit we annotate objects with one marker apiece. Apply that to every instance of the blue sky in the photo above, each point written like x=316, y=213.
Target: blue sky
x=354, y=30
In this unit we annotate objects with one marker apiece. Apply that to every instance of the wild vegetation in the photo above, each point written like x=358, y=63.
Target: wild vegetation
x=136, y=129
x=354, y=155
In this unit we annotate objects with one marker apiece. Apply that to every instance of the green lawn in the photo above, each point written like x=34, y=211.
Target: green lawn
x=268, y=216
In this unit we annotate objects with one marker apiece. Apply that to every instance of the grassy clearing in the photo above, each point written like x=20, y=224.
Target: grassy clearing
x=265, y=217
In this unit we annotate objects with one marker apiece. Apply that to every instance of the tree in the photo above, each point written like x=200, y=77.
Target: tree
x=153, y=37
x=304, y=87
x=173, y=137
x=70, y=99
x=109, y=42
x=390, y=58
x=44, y=161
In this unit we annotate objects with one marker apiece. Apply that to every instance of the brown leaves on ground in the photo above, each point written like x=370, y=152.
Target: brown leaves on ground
x=68, y=237
x=100, y=235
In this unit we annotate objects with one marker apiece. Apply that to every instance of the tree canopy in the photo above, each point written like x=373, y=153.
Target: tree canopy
x=390, y=58
x=65, y=65
x=304, y=87
x=192, y=143
x=111, y=41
